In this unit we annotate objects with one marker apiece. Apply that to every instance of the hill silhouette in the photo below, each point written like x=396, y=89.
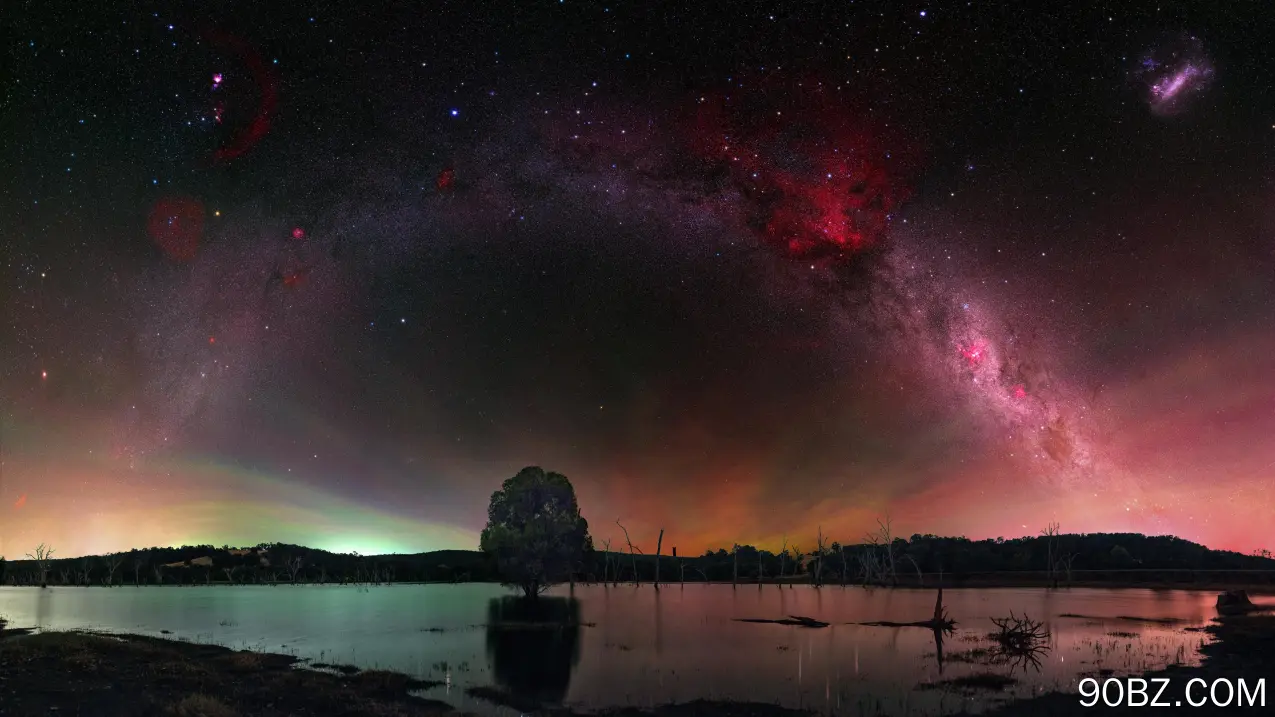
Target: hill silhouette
x=1123, y=558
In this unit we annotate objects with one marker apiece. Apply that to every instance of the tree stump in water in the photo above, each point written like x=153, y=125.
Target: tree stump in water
x=1234, y=602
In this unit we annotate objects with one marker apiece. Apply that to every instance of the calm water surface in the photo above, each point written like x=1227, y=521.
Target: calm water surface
x=638, y=646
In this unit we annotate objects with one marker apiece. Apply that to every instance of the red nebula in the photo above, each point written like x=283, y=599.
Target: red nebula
x=298, y=233
x=212, y=339
x=21, y=501
x=815, y=173
x=294, y=279
x=446, y=180
x=176, y=225
x=974, y=353
x=267, y=96
x=1020, y=391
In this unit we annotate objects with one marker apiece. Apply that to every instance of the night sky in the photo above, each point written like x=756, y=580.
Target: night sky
x=327, y=274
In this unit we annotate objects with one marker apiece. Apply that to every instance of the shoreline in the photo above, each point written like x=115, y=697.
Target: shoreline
x=1253, y=588
x=97, y=673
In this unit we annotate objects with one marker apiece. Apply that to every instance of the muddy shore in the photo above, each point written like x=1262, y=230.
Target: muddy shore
x=96, y=675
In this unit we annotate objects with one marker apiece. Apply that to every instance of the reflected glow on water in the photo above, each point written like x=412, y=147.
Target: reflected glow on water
x=627, y=645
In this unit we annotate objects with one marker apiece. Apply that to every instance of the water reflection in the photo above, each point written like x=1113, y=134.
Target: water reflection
x=938, y=646
x=659, y=625
x=43, y=604
x=671, y=646
x=533, y=645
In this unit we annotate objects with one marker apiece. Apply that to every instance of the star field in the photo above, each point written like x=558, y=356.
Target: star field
x=327, y=275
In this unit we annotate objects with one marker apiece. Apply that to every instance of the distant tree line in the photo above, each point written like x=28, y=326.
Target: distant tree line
x=268, y=563
x=923, y=558
x=1056, y=558
x=535, y=537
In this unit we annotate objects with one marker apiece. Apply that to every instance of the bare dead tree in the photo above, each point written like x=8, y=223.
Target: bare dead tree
x=878, y=560
x=1050, y=534
x=139, y=561
x=158, y=569
x=817, y=578
x=783, y=556
x=659, y=545
x=845, y=568
x=796, y=563
x=294, y=566
x=632, y=551
x=606, y=559
x=113, y=561
x=42, y=555
x=867, y=559
x=230, y=573
x=86, y=567
x=920, y=577
x=323, y=575
x=65, y=575
x=1064, y=564
x=887, y=539
x=761, y=570
x=734, y=576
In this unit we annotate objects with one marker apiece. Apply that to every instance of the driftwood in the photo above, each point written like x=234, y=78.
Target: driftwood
x=1126, y=618
x=940, y=621
x=795, y=620
x=1020, y=642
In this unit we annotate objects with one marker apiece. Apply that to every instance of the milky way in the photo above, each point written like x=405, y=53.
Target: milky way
x=823, y=191
x=738, y=273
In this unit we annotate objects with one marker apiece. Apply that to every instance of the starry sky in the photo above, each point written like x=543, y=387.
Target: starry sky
x=327, y=273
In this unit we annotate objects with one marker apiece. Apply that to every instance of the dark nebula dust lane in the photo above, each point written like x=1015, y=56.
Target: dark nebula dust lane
x=301, y=275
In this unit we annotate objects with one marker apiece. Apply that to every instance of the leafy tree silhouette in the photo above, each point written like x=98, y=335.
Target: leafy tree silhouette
x=535, y=531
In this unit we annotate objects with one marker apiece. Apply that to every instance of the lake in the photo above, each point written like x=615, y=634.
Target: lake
x=636, y=646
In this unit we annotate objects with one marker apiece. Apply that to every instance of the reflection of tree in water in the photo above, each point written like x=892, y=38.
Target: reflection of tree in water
x=533, y=645
x=1020, y=642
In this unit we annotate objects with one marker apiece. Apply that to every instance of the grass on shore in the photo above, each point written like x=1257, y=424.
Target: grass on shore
x=81, y=673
